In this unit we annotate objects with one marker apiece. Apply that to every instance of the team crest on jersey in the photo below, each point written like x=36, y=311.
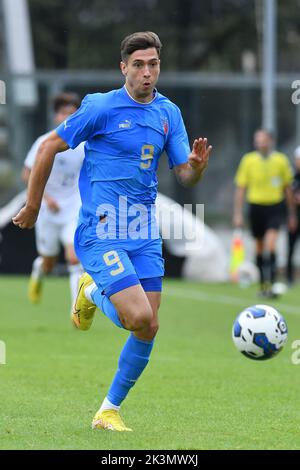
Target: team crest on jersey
x=126, y=124
x=165, y=124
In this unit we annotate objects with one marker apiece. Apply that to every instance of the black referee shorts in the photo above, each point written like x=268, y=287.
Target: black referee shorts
x=263, y=218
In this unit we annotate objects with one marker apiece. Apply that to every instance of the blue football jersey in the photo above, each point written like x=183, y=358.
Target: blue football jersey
x=124, y=141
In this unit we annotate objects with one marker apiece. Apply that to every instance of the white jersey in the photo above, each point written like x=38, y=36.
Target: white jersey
x=62, y=184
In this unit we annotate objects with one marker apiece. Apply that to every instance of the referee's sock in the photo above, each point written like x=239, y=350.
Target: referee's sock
x=272, y=266
x=267, y=270
x=261, y=268
x=268, y=275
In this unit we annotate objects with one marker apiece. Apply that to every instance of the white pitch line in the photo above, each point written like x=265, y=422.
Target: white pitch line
x=225, y=299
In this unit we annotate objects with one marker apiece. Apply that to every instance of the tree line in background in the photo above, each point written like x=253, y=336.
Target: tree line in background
x=209, y=35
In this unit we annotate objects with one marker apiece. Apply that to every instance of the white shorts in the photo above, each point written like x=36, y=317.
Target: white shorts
x=50, y=234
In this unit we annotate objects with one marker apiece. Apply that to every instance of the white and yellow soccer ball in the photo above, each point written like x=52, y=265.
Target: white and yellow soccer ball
x=259, y=332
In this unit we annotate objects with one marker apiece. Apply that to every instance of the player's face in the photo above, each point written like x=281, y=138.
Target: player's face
x=263, y=142
x=63, y=113
x=141, y=72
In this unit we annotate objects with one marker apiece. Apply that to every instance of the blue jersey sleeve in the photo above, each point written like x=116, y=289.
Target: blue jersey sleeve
x=177, y=146
x=82, y=125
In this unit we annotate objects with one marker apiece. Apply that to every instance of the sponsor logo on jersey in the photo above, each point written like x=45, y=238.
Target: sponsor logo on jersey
x=126, y=124
x=66, y=125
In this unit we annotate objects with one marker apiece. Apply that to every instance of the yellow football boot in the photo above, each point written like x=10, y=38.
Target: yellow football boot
x=34, y=290
x=83, y=309
x=109, y=420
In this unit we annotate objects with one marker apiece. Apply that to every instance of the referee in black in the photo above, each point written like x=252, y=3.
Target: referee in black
x=264, y=178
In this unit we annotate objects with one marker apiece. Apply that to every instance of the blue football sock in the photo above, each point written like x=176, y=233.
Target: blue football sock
x=133, y=360
x=106, y=306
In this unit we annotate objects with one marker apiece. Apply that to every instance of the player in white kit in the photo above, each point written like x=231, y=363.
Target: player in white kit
x=57, y=220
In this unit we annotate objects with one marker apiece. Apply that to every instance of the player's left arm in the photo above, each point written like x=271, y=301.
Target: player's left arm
x=51, y=203
x=188, y=174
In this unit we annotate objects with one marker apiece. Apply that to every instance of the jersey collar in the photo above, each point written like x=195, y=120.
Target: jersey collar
x=139, y=102
x=265, y=157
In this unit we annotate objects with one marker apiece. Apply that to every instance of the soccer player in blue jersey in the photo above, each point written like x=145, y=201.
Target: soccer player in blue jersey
x=117, y=240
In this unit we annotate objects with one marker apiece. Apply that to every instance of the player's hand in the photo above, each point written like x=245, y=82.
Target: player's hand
x=26, y=218
x=198, y=158
x=238, y=220
x=51, y=204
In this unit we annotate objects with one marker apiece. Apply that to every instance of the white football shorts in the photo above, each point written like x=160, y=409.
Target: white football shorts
x=50, y=234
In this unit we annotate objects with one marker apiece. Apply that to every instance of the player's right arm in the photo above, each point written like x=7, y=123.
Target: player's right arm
x=38, y=178
x=90, y=118
x=51, y=203
x=25, y=174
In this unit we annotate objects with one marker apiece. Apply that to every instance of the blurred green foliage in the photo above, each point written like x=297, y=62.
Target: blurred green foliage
x=197, y=35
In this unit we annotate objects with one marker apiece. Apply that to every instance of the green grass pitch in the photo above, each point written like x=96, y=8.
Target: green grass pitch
x=198, y=391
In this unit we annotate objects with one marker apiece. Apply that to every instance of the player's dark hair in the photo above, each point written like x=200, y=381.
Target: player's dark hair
x=137, y=41
x=65, y=99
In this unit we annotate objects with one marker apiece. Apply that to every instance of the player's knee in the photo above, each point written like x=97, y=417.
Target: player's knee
x=154, y=327
x=140, y=319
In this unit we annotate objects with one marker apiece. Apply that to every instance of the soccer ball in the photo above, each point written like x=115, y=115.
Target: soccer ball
x=259, y=332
